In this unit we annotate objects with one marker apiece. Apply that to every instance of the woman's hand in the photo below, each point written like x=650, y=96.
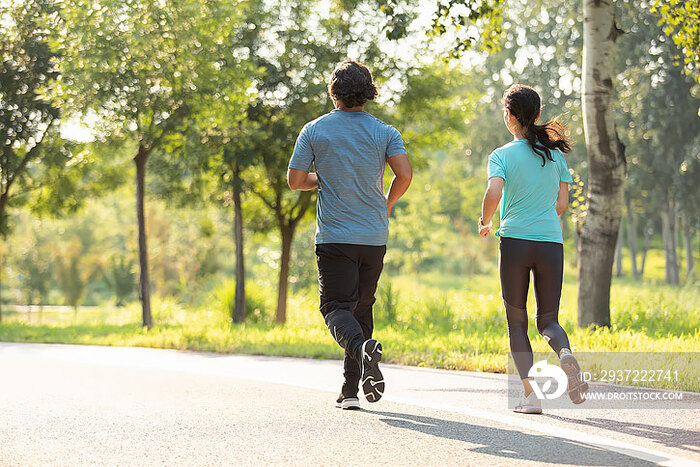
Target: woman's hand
x=492, y=197
x=485, y=231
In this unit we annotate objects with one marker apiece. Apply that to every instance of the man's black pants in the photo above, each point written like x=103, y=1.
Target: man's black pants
x=347, y=279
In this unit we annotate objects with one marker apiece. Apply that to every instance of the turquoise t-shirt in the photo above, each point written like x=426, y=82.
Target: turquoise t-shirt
x=528, y=207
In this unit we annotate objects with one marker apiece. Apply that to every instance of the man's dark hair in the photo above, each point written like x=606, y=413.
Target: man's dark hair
x=351, y=83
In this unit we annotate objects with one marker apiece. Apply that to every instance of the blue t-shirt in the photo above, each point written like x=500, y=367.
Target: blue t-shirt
x=349, y=150
x=528, y=207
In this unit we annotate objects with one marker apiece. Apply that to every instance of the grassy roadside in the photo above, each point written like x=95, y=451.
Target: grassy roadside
x=431, y=320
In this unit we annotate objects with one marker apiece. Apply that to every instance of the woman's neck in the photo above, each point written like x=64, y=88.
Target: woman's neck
x=519, y=133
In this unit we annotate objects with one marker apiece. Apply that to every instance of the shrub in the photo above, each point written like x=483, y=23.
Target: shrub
x=386, y=306
x=259, y=301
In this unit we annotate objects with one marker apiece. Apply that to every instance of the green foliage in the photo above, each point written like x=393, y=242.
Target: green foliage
x=75, y=267
x=27, y=66
x=455, y=18
x=34, y=268
x=259, y=306
x=120, y=276
x=681, y=22
x=658, y=124
x=139, y=65
x=386, y=307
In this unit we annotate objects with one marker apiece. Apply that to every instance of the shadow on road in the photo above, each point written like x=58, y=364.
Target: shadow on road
x=510, y=443
x=672, y=437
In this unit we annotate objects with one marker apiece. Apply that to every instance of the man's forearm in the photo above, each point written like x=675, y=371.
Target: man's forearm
x=398, y=187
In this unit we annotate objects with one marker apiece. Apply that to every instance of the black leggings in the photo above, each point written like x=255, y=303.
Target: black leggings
x=546, y=261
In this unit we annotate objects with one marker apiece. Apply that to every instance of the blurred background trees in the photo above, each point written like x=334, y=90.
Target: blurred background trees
x=211, y=96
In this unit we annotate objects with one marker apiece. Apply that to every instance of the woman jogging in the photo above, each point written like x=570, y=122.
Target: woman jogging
x=531, y=175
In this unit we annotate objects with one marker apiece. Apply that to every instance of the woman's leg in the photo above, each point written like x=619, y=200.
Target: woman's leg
x=548, y=274
x=514, y=265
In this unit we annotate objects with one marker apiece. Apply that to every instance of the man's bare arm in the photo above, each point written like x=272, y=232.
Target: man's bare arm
x=301, y=180
x=403, y=173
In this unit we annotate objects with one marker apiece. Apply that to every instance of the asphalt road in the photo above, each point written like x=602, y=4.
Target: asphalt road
x=84, y=405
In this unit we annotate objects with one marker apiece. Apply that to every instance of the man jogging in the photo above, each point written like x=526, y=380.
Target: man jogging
x=349, y=149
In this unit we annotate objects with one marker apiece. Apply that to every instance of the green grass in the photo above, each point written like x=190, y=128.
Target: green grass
x=428, y=320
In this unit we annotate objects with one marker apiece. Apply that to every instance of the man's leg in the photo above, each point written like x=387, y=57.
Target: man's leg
x=338, y=280
x=371, y=264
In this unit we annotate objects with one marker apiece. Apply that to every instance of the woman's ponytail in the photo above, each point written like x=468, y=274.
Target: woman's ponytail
x=524, y=103
x=544, y=138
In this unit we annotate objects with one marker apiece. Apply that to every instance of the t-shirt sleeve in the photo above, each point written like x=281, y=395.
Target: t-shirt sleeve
x=496, y=166
x=395, y=145
x=303, y=155
x=564, y=175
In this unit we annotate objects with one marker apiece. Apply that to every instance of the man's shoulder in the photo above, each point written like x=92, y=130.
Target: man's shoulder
x=316, y=121
x=381, y=123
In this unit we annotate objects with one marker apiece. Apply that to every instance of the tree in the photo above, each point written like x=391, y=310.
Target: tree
x=139, y=65
x=120, y=277
x=273, y=144
x=606, y=160
x=74, y=269
x=208, y=160
x=660, y=127
x=34, y=265
x=606, y=166
x=26, y=114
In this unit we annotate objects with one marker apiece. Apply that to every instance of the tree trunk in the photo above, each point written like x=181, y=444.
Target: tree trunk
x=648, y=232
x=287, y=237
x=144, y=283
x=3, y=204
x=668, y=235
x=239, y=310
x=618, y=253
x=688, y=234
x=632, y=238
x=606, y=164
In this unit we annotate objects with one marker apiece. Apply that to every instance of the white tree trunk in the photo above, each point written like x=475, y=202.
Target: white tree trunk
x=689, y=260
x=618, y=253
x=668, y=235
x=606, y=164
x=632, y=238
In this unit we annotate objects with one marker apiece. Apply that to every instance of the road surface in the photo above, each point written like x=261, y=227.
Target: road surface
x=85, y=405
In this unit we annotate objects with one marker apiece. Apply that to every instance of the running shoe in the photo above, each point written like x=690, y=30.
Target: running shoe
x=348, y=403
x=372, y=379
x=530, y=404
x=577, y=387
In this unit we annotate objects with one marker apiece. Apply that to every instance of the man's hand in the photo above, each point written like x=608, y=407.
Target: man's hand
x=388, y=207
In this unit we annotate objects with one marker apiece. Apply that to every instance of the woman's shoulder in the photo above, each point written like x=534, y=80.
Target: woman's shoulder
x=511, y=147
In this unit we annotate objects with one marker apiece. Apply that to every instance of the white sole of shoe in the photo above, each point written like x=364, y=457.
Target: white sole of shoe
x=577, y=387
x=528, y=410
x=351, y=403
x=372, y=379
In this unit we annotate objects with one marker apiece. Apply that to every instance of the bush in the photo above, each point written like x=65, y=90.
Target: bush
x=386, y=307
x=258, y=300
